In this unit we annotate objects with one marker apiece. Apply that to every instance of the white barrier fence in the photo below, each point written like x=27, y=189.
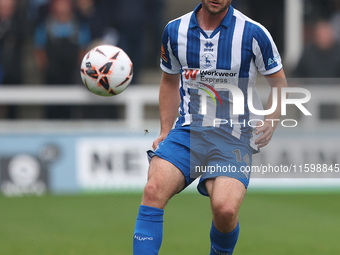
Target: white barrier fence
x=137, y=97
x=134, y=101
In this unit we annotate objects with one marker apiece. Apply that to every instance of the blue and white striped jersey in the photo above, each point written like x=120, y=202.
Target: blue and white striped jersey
x=232, y=54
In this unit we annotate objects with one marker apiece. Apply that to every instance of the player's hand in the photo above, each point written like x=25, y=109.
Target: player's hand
x=158, y=141
x=267, y=131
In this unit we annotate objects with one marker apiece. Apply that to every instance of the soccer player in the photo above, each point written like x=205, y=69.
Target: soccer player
x=208, y=56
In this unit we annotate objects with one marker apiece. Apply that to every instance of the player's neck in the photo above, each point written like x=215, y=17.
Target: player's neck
x=208, y=21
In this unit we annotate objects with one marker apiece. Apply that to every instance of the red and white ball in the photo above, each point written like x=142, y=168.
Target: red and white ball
x=106, y=70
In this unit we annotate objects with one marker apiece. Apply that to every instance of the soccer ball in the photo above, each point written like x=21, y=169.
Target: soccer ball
x=106, y=70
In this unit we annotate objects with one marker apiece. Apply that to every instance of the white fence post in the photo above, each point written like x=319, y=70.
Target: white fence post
x=293, y=31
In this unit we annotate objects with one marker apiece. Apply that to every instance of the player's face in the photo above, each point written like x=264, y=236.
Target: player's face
x=215, y=7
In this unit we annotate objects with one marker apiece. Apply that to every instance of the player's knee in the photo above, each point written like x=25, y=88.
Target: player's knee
x=225, y=212
x=152, y=193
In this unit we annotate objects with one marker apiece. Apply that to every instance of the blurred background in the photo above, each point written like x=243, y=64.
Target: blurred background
x=57, y=140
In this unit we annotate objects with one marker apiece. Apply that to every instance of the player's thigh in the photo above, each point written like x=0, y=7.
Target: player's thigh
x=226, y=195
x=164, y=181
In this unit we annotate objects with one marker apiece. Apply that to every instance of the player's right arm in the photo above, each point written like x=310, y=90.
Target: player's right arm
x=169, y=96
x=169, y=100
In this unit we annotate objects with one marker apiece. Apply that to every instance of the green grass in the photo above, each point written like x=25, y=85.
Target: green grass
x=271, y=224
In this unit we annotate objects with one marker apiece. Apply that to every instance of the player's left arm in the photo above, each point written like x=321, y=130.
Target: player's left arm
x=277, y=80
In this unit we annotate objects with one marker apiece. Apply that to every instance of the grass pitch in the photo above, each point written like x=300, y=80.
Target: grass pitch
x=276, y=224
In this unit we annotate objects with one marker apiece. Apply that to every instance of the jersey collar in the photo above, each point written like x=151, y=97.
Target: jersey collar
x=226, y=22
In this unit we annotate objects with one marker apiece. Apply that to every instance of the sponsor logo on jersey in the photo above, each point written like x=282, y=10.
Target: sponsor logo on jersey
x=217, y=76
x=217, y=73
x=190, y=73
x=207, y=89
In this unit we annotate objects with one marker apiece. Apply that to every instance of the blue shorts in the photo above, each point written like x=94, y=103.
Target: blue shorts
x=206, y=153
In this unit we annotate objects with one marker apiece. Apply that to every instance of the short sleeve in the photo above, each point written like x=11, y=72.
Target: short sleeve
x=267, y=57
x=169, y=63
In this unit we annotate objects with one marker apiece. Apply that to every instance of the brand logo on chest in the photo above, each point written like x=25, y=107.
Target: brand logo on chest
x=209, y=47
